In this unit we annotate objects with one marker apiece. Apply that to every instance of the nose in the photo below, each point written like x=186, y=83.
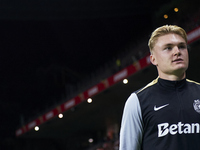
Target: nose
x=177, y=51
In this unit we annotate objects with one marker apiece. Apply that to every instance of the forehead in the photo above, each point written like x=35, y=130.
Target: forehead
x=170, y=38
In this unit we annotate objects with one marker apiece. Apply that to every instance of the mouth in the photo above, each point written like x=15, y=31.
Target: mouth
x=178, y=60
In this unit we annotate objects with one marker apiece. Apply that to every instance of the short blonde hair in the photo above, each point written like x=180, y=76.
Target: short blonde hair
x=163, y=30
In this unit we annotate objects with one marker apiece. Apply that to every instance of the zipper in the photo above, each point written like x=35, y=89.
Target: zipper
x=178, y=96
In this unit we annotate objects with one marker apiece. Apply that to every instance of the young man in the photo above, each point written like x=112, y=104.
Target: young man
x=165, y=114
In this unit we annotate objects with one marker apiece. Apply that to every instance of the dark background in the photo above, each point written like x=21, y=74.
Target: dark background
x=48, y=48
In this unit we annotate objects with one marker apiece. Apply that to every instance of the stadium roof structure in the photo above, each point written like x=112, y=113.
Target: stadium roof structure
x=108, y=98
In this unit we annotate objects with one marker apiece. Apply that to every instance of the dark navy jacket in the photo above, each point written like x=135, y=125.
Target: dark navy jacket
x=164, y=115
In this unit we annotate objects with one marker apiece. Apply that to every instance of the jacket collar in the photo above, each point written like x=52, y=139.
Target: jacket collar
x=172, y=84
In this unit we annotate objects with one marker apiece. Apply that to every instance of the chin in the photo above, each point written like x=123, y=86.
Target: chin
x=181, y=67
x=180, y=71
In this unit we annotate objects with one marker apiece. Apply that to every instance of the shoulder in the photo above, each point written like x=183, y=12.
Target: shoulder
x=145, y=93
x=132, y=100
x=148, y=86
x=192, y=82
x=193, y=85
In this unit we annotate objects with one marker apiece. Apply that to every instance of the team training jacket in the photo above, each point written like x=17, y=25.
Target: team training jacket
x=164, y=115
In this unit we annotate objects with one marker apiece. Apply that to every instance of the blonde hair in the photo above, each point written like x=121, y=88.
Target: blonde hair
x=163, y=30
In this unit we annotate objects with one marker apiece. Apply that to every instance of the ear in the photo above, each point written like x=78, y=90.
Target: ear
x=153, y=60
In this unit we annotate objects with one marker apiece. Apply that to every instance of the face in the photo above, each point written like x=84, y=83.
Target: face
x=170, y=56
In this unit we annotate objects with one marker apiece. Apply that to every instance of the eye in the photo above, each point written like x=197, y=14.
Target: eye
x=182, y=47
x=168, y=48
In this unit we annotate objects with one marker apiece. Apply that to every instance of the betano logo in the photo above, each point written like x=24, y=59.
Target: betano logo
x=180, y=128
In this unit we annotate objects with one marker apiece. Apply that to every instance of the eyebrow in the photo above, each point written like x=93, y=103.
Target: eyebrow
x=171, y=44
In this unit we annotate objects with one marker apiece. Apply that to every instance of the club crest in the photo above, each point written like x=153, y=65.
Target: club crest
x=196, y=105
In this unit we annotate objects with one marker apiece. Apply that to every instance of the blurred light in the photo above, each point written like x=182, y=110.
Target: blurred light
x=176, y=9
x=89, y=100
x=36, y=128
x=91, y=140
x=118, y=62
x=125, y=81
x=60, y=116
x=165, y=16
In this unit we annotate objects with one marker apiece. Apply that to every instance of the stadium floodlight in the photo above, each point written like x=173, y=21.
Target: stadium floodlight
x=60, y=116
x=166, y=16
x=125, y=81
x=36, y=128
x=90, y=140
x=176, y=9
x=89, y=100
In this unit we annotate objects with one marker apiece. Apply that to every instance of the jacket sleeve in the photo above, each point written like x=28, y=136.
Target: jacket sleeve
x=132, y=125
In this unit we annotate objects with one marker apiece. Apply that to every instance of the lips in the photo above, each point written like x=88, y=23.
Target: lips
x=178, y=60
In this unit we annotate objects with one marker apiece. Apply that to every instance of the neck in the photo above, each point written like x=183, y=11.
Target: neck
x=172, y=77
